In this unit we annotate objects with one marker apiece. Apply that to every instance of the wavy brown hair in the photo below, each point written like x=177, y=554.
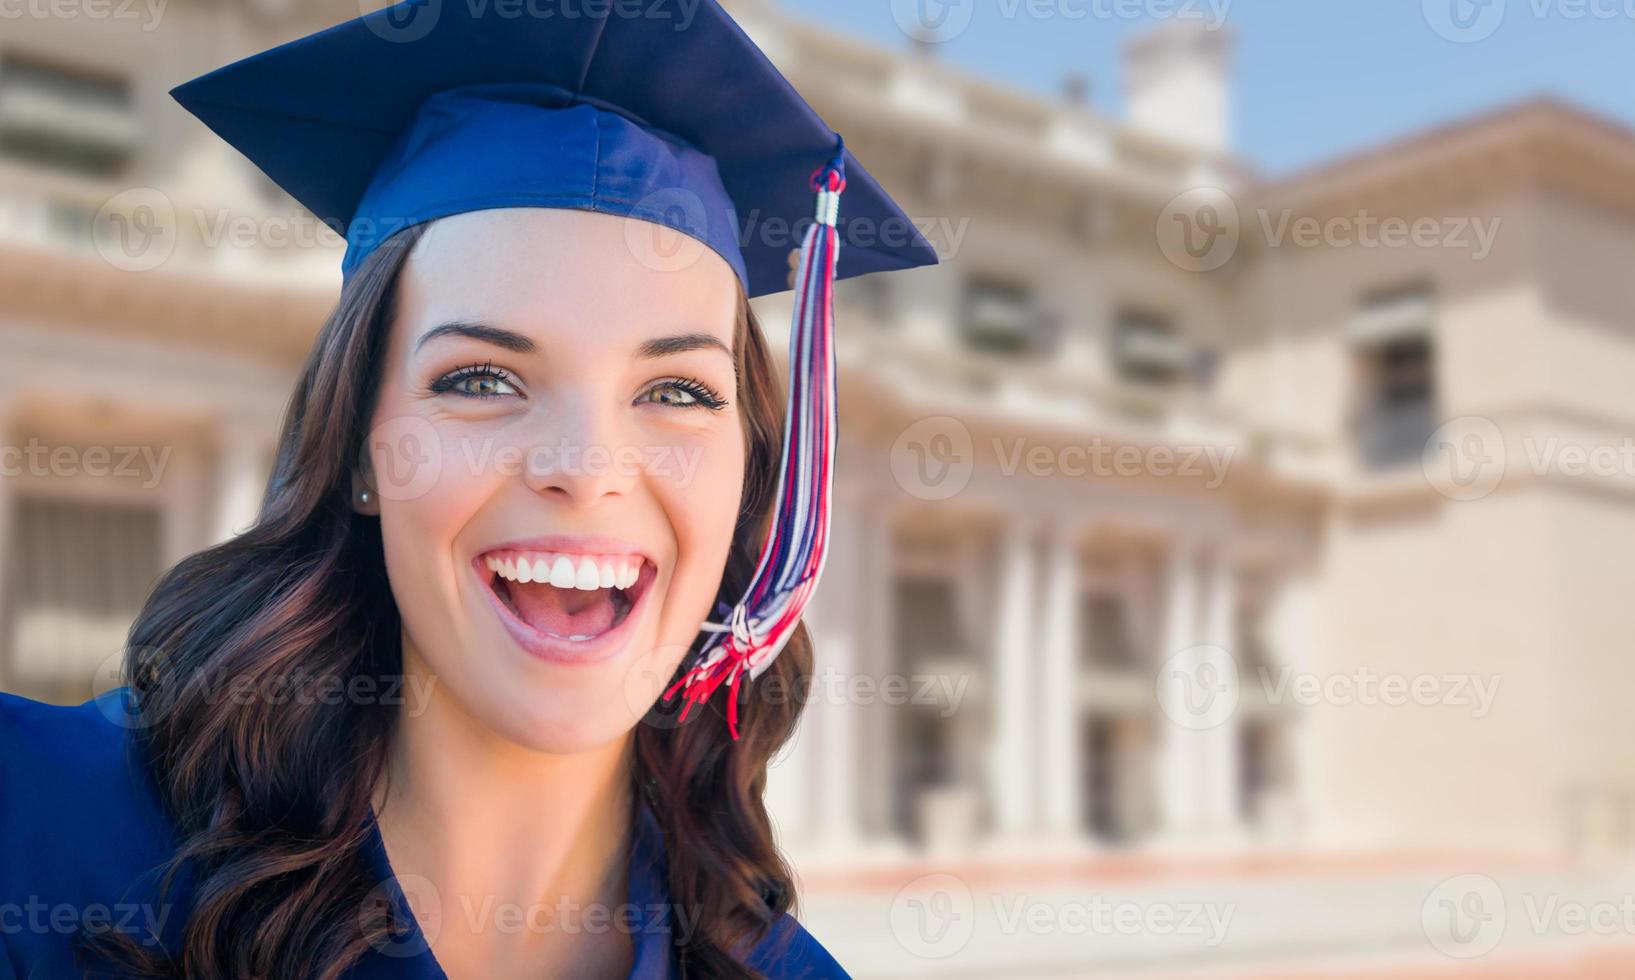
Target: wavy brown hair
x=270, y=800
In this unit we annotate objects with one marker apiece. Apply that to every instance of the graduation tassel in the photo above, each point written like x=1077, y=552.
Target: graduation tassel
x=792, y=558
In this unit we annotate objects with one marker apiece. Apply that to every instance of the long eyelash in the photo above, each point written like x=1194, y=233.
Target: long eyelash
x=484, y=370
x=705, y=395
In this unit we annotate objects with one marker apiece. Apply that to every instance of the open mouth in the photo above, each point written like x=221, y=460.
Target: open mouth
x=568, y=599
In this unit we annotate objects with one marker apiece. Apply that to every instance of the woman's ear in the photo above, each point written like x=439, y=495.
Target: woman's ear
x=364, y=498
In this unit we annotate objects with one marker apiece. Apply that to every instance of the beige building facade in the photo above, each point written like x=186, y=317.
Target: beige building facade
x=1135, y=547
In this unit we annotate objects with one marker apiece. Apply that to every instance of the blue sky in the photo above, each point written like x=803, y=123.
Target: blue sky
x=1314, y=79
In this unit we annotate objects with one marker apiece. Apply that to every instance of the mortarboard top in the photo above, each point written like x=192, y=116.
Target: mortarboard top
x=662, y=110
x=659, y=110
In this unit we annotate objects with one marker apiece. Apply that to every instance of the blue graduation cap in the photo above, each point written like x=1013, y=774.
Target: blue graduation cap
x=433, y=107
x=664, y=112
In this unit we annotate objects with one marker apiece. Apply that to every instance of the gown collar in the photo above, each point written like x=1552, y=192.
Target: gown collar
x=409, y=954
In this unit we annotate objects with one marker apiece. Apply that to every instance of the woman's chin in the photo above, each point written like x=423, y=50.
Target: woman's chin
x=553, y=707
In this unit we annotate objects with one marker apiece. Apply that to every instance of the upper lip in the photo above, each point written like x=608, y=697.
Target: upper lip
x=573, y=544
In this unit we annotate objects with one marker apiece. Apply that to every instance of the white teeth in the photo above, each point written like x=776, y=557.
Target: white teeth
x=568, y=571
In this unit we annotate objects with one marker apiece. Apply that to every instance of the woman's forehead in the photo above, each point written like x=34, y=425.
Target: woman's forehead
x=554, y=271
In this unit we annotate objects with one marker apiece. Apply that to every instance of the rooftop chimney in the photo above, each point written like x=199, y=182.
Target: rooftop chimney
x=1176, y=83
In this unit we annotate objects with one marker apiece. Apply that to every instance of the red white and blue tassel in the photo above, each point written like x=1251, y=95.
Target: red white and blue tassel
x=762, y=622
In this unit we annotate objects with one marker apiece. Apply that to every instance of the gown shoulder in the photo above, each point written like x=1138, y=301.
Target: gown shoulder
x=81, y=829
x=789, y=952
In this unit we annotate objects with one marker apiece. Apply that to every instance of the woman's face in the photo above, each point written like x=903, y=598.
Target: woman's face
x=558, y=457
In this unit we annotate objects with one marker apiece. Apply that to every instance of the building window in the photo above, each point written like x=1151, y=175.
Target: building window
x=65, y=117
x=999, y=317
x=80, y=572
x=1106, y=632
x=1395, y=364
x=1146, y=349
x=869, y=295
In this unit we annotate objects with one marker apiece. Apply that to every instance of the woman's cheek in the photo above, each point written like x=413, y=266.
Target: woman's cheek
x=704, y=507
x=419, y=527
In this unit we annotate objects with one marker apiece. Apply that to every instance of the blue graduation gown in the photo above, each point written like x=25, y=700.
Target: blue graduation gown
x=82, y=831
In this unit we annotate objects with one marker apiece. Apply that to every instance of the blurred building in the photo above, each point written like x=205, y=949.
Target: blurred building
x=1162, y=526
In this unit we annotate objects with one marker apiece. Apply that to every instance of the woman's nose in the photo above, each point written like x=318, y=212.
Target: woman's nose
x=582, y=454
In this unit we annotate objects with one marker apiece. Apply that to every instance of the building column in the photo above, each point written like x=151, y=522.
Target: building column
x=841, y=631
x=878, y=660
x=1013, y=767
x=1221, y=744
x=1178, y=791
x=1060, y=768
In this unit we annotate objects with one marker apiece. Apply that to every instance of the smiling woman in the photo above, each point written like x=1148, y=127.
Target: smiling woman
x=536, y=470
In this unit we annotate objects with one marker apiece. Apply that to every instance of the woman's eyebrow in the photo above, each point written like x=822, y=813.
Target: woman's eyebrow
x=680, y=343
x=498, y=336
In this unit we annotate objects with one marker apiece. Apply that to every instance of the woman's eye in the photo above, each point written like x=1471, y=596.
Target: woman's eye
x=477, y=381
x=685, y=393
